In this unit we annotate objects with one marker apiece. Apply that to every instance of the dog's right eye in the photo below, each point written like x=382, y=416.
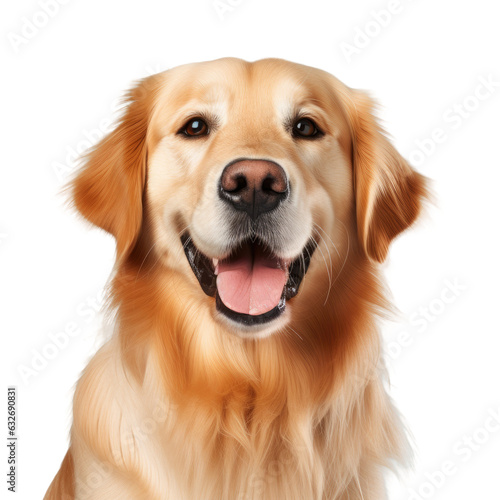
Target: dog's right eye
x=195, y=127
x=305, y=128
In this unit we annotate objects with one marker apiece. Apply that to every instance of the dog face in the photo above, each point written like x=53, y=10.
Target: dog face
x=257, y=182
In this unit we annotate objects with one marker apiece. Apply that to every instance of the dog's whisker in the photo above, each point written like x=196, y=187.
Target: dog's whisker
x=336, y=249
x=346, y=253
x=326, y=246
x=294, y=331
x=182, y=231
x=158, y=257
x=328, y=269
x=144, y=260
x=186, y=243
x=328, y=236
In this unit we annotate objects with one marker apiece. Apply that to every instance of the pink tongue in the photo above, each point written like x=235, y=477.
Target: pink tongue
x=251, y=286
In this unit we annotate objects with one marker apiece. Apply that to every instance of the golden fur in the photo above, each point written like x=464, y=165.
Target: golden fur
x=179, y=406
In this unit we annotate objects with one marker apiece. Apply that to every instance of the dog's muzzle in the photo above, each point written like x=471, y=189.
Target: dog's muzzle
x=251, y=284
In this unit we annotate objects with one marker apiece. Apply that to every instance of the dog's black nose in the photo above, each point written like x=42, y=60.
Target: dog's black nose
x=254, y=186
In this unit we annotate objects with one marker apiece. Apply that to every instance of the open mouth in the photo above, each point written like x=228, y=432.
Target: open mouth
x=251, y=285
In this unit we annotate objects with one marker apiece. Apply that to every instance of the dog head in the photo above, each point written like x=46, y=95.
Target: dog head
x=256, y=182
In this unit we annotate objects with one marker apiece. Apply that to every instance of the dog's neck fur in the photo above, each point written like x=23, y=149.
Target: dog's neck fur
x=270, y=408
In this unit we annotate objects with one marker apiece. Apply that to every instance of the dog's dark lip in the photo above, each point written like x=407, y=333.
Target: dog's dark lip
x=248, y=319
x=204, y=271
x=201, y=265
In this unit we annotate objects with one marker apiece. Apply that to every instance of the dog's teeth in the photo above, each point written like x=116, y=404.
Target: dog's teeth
x=215, y=262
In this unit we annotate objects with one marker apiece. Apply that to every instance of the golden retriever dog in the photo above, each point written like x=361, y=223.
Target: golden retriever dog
x=252, y=204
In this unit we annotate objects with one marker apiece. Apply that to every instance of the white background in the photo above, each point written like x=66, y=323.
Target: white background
x=60, y=86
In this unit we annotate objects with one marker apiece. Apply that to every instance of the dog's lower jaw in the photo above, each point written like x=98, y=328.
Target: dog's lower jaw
x=254, y=331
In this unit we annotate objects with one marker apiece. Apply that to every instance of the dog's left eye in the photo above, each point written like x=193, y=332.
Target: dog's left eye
x=306, y=128
x=195, y=127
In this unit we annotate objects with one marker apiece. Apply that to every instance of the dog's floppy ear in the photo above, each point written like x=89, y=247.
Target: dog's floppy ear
x=108, y=189
x=388, y=192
